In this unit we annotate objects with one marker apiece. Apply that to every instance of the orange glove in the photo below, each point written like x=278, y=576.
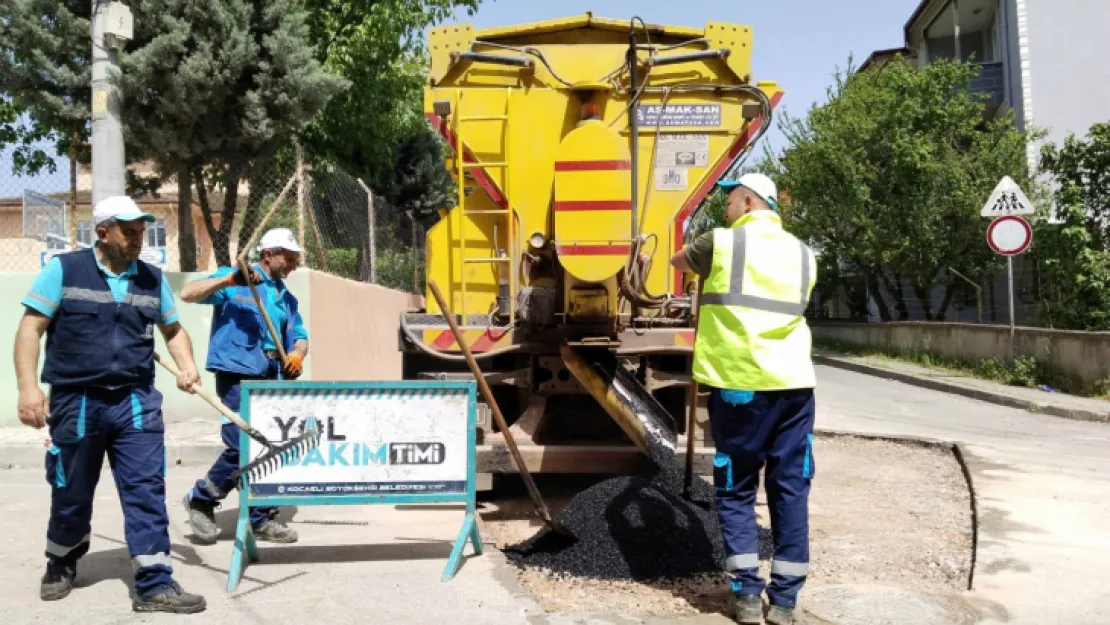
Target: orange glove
x=293, y=365
x=235, y=278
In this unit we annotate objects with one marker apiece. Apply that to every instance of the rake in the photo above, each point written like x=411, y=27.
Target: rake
x=276, y=455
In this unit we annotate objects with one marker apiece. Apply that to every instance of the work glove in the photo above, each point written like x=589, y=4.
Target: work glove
x=235, y=278
x=292, y=368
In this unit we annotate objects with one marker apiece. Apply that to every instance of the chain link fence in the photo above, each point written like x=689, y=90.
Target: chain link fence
x=345, y=228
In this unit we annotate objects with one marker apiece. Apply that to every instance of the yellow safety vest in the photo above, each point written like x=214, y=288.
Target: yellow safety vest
x=752, y=333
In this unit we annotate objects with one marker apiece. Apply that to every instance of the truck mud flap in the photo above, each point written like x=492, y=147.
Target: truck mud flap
x=640, y=415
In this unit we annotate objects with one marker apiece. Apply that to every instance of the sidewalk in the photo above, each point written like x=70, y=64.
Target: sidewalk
x=1033, y=400
x=187, y=443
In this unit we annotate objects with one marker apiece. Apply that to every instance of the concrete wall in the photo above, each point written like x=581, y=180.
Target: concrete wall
x=1084, y=356
x=352, y=334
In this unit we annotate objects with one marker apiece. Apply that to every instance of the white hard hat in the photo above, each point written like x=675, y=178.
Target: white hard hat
x=120, y=208
x=280, y=238
x=759, y=184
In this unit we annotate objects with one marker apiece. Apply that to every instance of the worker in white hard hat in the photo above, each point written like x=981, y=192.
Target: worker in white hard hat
x=752, y=353
x=241, y=348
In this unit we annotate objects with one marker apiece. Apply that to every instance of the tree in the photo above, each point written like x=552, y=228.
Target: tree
x=375, y=131
x=45, y=72
x=419, y=180
x=379, y=47
x=888, y=178
x=211, y=91
x=26, y=157
x=1074, y=250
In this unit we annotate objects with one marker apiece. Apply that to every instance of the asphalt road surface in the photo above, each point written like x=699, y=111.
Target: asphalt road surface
x=1043, y=496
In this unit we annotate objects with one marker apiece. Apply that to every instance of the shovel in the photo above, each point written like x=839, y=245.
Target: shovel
x=692, y=405
x=541, y=507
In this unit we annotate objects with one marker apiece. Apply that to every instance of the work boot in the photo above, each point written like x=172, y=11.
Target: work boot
x=202, y=518
x=58, y=580
x=778, y=615
x=169, y=598
x=746, y=609
x=274, y=531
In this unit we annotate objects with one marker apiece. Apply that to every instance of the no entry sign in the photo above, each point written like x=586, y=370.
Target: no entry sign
x=1009, y=235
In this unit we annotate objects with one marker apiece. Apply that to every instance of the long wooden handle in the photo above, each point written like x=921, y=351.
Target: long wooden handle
x=262, y=308
x=494, y=408
x=206, y=395
x=692, y=399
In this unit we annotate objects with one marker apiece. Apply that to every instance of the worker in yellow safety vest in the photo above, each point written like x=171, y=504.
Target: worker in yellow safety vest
x=753, y=354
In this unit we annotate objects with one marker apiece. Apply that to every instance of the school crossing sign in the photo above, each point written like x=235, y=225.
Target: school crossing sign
x=1007, y=199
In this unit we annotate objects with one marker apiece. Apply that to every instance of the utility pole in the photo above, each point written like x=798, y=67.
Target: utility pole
x=111, y=30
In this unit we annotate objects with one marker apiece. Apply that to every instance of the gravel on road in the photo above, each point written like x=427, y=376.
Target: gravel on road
x=884, y=512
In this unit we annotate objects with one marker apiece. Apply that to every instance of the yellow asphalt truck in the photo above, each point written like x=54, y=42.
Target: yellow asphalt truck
x=581, y=147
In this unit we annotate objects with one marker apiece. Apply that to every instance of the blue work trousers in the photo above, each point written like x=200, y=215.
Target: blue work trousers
x=126, y=425
x=218, y=482
x=772, y=429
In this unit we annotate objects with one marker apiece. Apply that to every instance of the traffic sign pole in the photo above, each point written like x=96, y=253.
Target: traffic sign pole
x=1010, y=280
x=1009, y=234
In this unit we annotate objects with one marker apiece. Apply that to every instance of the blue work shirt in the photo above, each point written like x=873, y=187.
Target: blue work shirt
x=272, y=293
x=46, y=293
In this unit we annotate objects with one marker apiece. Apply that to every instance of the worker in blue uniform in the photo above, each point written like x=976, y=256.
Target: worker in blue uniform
x=98, y=308
x=241, y=348
x=753, y=353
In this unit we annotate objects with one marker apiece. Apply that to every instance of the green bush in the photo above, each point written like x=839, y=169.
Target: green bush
x=1024, y=371
x=343, y=262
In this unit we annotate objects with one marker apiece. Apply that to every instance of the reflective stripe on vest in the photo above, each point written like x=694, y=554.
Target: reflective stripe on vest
x=106, y=297
x=736, y=296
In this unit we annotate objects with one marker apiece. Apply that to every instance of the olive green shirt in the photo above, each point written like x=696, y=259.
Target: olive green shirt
x=699, y=254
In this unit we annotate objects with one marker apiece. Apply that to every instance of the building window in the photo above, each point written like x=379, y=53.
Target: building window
x=84, y=234
x=156, y=234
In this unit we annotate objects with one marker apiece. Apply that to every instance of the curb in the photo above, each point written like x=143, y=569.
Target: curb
x=1076, y=414
x=177, y=453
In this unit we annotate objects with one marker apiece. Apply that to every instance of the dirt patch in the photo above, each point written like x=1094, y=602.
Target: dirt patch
x=883, y=512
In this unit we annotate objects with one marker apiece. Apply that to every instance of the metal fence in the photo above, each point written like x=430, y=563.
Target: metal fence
x=346, y=229
x=971, y=299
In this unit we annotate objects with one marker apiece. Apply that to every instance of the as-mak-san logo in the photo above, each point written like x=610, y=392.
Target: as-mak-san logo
x=336, y=450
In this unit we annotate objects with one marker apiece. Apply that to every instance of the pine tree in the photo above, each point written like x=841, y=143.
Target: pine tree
x=211, y=89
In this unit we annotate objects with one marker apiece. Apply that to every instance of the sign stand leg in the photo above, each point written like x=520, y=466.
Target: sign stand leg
x=1010, y=281
x=476, y=537
x=468, y=532
x=244, y=536
x=235, y=571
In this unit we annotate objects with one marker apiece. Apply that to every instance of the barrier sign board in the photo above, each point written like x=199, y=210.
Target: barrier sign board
x=380, y=442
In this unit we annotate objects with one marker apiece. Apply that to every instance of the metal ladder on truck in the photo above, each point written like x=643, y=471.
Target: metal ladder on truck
x=502, y=260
